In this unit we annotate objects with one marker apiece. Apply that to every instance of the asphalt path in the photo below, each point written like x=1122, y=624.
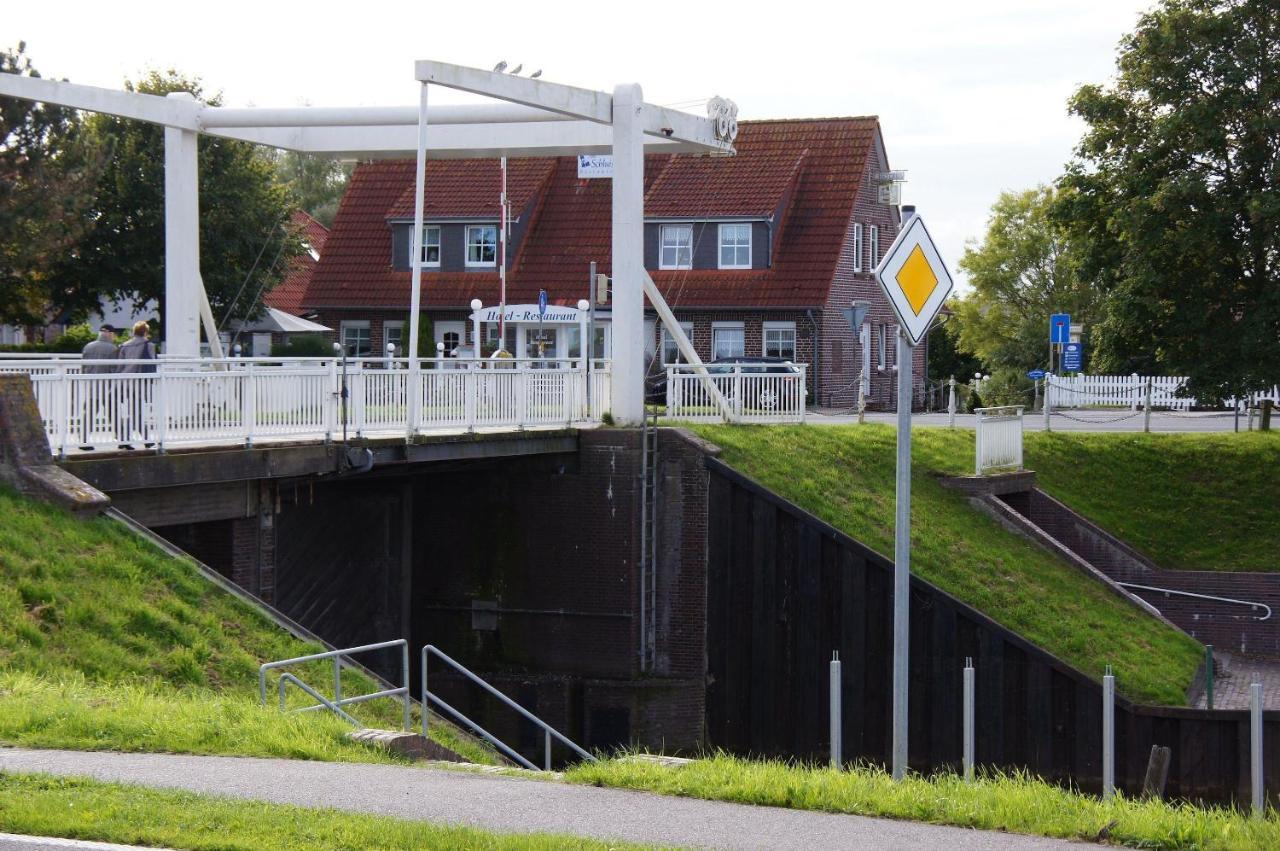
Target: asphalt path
x=1069, y=420
x=510, y=804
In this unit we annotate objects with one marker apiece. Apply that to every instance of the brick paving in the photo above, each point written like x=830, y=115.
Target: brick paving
x=1234, y=676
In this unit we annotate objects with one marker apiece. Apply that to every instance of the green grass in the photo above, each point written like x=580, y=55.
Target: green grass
x=845, y=476
x=85, y=809
x=1014, y=803
x=1172, y=496
x=108, y=643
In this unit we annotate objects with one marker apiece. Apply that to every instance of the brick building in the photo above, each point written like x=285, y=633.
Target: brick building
x=756, y=253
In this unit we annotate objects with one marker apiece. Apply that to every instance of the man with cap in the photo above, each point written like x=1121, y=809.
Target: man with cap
x=101, y=395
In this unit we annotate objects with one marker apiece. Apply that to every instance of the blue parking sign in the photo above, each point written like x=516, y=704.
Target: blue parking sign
x=1060, y=328
x=1072, y=357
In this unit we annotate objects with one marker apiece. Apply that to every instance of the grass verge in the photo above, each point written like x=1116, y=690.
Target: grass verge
x=845, y=476
x=86, y=809
x=1013, y=803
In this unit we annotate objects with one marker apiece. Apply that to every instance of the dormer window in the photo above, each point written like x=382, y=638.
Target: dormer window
x=735, y=246
x=431, y=245
x=676, y=247
x=482, y=245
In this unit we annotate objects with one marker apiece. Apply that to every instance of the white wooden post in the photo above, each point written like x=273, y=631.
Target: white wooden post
x=181, y=240
x=628, y=255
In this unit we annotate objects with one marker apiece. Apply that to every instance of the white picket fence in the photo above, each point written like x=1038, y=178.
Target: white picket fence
x=998, y=433
x=773, y=393
x=1129, y=391
x=192, y=402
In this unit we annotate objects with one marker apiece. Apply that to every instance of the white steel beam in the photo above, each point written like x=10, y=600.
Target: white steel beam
x=556, y=97
x=628, y=255
x=363, y=116
x=182, y=286
x=170, y=112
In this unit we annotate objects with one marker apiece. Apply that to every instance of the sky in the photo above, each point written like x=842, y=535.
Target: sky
x=971, y=96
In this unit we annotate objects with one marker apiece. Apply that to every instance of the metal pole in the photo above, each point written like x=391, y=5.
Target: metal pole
x=426, y=704
x=1208, y=676
x=902, y=562
x=546, y=735
x=862, y=397
x=1108, y=735
x=836, y=713
x=404, y=676
x=1146, y=409
x=415, y=262
x=337, y=680
x=968, y=719
x=1047, y=382
x=1255, y=747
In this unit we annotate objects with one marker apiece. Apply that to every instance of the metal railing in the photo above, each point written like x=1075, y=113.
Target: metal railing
x=1253, y=606
x=335, y=705
x=998, y=441
x=242, y=400
x=773, y=393
x=548, y=731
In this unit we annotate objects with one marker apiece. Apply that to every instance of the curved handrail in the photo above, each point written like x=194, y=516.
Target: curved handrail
x=1166, y=591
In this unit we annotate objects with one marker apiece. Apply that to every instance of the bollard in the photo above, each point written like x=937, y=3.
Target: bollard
x=1108, y=735
x=951, y=405
x=968, y=719
x=1255, y=747
x=1146, y=410
x=1208, y=676
x=836, y=728
x=1047, y=406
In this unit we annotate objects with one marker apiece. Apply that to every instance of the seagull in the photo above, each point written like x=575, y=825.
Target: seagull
x=536, y=74
x=516, y=70
x=500, y=67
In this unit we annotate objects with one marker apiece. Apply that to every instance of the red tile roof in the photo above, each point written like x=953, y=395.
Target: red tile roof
x=290, y=293
x=471, y=188
x=805, y=174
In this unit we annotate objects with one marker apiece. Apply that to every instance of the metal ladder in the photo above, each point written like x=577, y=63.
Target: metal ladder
x=648, y=539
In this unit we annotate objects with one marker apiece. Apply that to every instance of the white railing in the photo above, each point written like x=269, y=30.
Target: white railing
x=1129, y=391
x=746, y=393
x=999, y=439
x=245, y=400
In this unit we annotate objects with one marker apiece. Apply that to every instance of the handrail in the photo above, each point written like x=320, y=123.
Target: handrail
x=336, y=656
x=548, y=730
x=1167, y=591
x=325, y=703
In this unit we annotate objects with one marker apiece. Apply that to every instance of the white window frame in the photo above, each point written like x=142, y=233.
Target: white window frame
x=736, y=246
x=402, y=342
x=883, y=353
x=668, y=340
x=873, y=245
x=776, y=327
x=355, y=325
x=857, y=246
x=426, y=243
x=716, y=328
x=482, y=264
x=676, y=246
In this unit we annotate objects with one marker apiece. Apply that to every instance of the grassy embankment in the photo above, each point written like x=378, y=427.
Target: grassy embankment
x=107, y=643
x=998, y=802
x=845, y=476
x=110, y=812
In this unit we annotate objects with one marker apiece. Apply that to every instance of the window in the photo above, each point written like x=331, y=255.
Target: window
x=356, y=339
x=883, y=347
x=430, y=245
x=393, y=334
x=491, y=337
x=780, y=340
x=873, y=238
x=482, y=245
x=735, y=246
x=676, y=250
x=728, y=340
x=857, y=247
x=670, y=352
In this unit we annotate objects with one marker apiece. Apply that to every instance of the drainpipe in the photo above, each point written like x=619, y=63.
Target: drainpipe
x=817, y=354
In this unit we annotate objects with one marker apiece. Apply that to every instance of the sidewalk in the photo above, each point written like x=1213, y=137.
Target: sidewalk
x=511, y=804
x=1066, y=420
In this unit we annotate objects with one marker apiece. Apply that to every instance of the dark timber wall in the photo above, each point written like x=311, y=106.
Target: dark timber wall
x=785, y=589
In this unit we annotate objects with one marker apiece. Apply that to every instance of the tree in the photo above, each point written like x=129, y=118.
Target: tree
x=1173, y=198
x=315, y=183
x=245, y=239
x=945, y=357
x=1024, y=270
x=46, y=182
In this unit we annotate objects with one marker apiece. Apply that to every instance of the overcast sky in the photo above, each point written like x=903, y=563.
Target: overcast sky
x=971, y=96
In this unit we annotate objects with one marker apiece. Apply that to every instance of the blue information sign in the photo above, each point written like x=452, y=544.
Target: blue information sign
x=1072, y=357
x=542, y=302
x=1060, y=328
x=1035, y=374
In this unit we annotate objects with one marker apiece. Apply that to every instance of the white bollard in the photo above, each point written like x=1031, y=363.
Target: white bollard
x=951, y=404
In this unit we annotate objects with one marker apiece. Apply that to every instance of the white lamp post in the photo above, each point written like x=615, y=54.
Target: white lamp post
x=476, y=306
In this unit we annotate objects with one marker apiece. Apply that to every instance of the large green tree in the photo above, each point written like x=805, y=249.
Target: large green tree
x=245, y=240
x=1174, y=197
x=47, y=177
x=314, y=182
x=1023, y=270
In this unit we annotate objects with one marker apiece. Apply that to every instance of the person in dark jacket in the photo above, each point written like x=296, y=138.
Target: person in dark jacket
x=95, y=398
x=137, y=392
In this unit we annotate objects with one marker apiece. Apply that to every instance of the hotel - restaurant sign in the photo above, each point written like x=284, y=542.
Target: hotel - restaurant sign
x=527, y=313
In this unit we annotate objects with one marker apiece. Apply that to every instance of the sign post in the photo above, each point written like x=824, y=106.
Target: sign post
x=542, y=311
x=1059, y=334
x=916, y=282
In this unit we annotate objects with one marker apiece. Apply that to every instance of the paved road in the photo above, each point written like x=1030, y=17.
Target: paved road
x=1095, y=420
x=512, y=804
x=15, y=842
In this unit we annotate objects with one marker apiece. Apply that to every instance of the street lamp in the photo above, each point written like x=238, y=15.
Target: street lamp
x=476, y=306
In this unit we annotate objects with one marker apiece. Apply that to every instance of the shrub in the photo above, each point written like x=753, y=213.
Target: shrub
x=303, y=346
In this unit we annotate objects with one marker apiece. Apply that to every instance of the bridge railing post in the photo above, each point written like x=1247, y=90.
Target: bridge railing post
x=249, y=403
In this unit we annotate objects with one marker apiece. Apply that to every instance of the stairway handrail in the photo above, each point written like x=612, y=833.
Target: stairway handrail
x=1249, y=603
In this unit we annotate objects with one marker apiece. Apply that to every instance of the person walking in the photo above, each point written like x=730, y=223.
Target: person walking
x=138, y=349
x=95, y=397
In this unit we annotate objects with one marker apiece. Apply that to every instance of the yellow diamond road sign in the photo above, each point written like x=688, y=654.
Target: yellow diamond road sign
x=914, y=279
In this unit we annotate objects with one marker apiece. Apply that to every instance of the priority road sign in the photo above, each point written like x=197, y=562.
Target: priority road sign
x=914, y=279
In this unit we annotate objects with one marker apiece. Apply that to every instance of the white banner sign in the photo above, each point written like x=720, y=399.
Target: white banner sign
x=595, y=165
x=528, y=313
